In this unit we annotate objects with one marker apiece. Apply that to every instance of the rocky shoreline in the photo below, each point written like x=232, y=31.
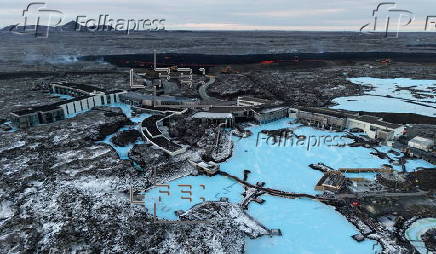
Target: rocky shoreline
x=62, y=190
x=429, y=239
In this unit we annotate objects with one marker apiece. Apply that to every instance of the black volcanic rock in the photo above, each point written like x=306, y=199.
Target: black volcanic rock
x=147, y=156
x=429, y=239
x=73, y=195
x=113, y=126
x=125, y=138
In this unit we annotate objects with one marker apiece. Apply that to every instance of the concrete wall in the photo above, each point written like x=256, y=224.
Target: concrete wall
x=75, y=107
x=322, y=120
x=353, y=123
x=271, y=116
x=420, y=145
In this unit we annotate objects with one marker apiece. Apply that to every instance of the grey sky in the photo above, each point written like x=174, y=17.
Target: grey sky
x=337, y=15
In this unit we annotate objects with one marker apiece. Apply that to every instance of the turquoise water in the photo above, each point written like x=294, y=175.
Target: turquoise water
x=122, y=151
x=389, y=87
x=371, y=102
x=307, y=226
x=272, y=163
x=63, y=96
x=214, y=188
x=13, y=128
x=416, y=230
x=127, y=110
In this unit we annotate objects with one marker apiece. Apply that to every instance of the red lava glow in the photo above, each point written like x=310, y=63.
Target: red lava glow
x=355, y=204
x=267, y=62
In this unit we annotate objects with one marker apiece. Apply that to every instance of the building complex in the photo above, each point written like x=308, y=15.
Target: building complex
x=85, y=97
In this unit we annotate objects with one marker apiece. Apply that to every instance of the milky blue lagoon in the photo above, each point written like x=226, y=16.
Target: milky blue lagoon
x=401, y=103
x=214, y=188
x=127, y=110
x=307, y=226
x=123, y=152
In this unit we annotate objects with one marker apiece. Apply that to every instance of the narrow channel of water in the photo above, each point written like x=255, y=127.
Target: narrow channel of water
x=123, y=151
x=128, y=111
x=63, y=96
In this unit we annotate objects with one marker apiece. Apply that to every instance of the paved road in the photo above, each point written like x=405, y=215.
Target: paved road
x=203, y=89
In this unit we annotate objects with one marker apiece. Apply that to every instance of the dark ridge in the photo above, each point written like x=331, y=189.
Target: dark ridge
x=421, y=45
x=25, y=74
x=402, y=118
x=203, y=60
x=37, y=74
x=425, y=178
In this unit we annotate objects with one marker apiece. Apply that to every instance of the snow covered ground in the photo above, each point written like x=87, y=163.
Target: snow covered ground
x=127, y=110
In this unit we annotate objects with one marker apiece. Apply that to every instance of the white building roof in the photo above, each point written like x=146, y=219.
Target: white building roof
x=209, y=115
x=269, y=110
x=422, y=141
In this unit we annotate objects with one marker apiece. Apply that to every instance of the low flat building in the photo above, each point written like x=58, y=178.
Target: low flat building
x=216, y=118
x=150, y=131
x=375, y=127
x=37, y=115
x=267, y=115
x=425, y=144
x=251, y=101
x=322, y=118
x=327, y=118
x=32, y=116
x=150, y=125
x=75, y=90
x=331, y=181
x=238, y=113
x=210, y=168
x=138, y=99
